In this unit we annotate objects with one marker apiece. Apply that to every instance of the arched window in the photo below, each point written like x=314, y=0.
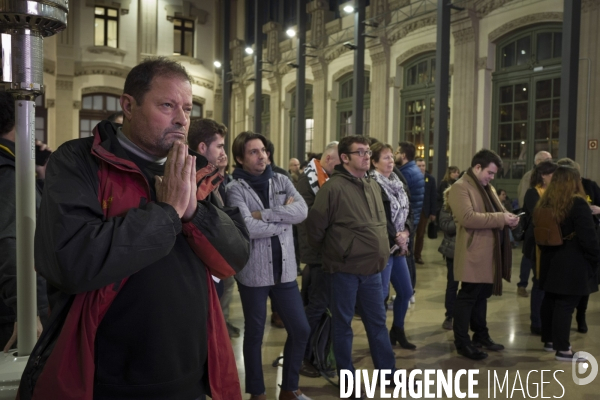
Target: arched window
x=308, y=115
x=344, y=106
x=418, y=106
x=526, y=102
x=94, y=108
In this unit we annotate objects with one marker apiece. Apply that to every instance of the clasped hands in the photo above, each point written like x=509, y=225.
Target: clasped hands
x=177, y=187
x=401, y=240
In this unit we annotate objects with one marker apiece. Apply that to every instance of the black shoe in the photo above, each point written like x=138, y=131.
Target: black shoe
x=308, y=370
x=471, y=352
x=488, y=343
x=581, y=324
x=397, y=336
x=535, y=330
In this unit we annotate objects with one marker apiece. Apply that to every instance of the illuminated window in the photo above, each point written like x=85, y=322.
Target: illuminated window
x=106, y=27
x=183, y=37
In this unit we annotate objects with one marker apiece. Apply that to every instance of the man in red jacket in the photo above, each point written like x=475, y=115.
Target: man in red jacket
x=123, y=238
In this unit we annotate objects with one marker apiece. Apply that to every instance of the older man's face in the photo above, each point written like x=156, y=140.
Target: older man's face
x=294, y=166
x=162, y=118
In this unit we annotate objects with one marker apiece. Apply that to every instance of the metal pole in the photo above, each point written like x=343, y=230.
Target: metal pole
x=25, y=174
x=442, y=72
x=258, y=23
x=358, y=88
x=226, y=67
x=300, y=143
x=569, y=79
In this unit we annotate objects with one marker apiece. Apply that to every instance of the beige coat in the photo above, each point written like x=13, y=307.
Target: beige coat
x=473, y=255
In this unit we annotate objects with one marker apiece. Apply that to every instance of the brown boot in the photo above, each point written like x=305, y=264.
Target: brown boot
x=276, y=320
x=292, y=395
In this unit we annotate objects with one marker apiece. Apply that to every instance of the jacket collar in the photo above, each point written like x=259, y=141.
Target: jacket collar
x=7, y=152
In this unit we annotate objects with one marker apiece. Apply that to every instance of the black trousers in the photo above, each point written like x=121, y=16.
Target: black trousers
x=451, y=288
x=470, y=308
x=557, y=313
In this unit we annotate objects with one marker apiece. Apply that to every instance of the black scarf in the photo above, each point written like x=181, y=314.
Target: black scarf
x=502, y=248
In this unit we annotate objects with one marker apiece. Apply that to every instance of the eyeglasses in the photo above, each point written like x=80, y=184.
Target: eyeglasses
x=361, y=153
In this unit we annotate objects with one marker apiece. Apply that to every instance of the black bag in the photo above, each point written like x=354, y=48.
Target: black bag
x=432, y=229
x=519, y=231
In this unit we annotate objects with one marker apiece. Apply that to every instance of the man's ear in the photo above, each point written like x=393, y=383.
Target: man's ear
x=344, y=158
x=127, y=104
x=202, y=148
x=239, y=160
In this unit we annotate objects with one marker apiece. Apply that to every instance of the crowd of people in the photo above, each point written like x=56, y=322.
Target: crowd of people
x=142, y=236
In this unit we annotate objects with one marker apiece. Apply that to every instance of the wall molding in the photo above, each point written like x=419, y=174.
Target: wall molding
x=523, y=22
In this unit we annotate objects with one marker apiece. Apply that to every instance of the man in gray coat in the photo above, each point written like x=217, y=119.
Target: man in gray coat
x=270, y=206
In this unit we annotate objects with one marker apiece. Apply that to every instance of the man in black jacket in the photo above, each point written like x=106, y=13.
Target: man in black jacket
x=8, y=231
x=122, y=236
x=427, y=212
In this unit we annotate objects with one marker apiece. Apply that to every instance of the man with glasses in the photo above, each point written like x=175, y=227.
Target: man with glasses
x=347, y=222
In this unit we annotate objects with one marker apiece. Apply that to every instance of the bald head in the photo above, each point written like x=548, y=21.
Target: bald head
x=294, y=166
x=542, y=156
x=330, y=157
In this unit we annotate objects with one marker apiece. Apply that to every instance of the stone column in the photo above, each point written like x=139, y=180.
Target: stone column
x=275, y=129
x=147, y=28
x=464, y=96
x=320, y=15
x=319, y=71
x=588, y=94
x=380, y=71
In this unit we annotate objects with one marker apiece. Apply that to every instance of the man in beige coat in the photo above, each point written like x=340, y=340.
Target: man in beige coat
x=482, y=255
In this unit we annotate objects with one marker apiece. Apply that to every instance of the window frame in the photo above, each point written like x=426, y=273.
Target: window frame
x=96, y=115
x=522, y=74
x=105, y=18
x=183, y=29
x=344, y=106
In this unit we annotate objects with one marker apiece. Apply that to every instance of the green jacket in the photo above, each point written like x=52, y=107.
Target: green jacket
x=347, y=222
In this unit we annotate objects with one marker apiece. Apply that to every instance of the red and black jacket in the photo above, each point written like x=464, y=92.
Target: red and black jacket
x=99, y=237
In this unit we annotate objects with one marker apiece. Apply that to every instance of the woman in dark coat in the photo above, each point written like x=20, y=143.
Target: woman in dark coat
x=568, y=271
x=452, y=173
x=540, y=179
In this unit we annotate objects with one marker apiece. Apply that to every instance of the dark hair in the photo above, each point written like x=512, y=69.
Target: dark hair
x=346, y=142
x=372, y=140
x=408, y=149
x=499, y=192
x=377, y=149
x=450, y=170
x=419, y=159
x=270, y=150
x=113, y=117
x=7, y=113
x=543, y=168
x=304, y=164
x=203, y=130
x=485, y=157
x=238, y=148
x=139, y=79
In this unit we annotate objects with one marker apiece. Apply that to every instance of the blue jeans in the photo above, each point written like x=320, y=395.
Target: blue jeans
x=346, y=289
x=385, y=278
x=526, y=266
x=410, y=260
x=401, y=281
x=288, y=303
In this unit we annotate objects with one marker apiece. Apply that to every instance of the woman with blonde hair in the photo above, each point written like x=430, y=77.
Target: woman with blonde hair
x=568, y=271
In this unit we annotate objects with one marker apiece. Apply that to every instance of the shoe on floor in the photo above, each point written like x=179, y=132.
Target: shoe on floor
x=412, y=299
x=419, y=261
x=447, y=323
x=560, y=356
x=308, y=370
x=276, y=320
x=548, y=346
x=292, y=395
x=488, y=343
x=535, y=330
x=472, y=352
x=258, y=396
x=522, y=292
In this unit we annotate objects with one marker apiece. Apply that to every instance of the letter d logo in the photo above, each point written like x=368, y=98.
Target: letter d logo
x=582, y=367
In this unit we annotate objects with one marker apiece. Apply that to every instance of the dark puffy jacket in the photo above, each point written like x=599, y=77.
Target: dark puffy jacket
x=430, y=198
x=447, y=225
x=416, y=185
x=308, y=254
x=119, y=257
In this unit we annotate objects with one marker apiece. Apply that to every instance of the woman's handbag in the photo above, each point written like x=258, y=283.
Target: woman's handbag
x=545, y=228
x=519, y=231
x=432, y=229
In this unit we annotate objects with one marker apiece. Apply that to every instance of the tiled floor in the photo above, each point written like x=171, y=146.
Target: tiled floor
x=508, y=322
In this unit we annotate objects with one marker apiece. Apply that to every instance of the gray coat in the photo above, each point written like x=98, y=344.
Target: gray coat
x=276, y=221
